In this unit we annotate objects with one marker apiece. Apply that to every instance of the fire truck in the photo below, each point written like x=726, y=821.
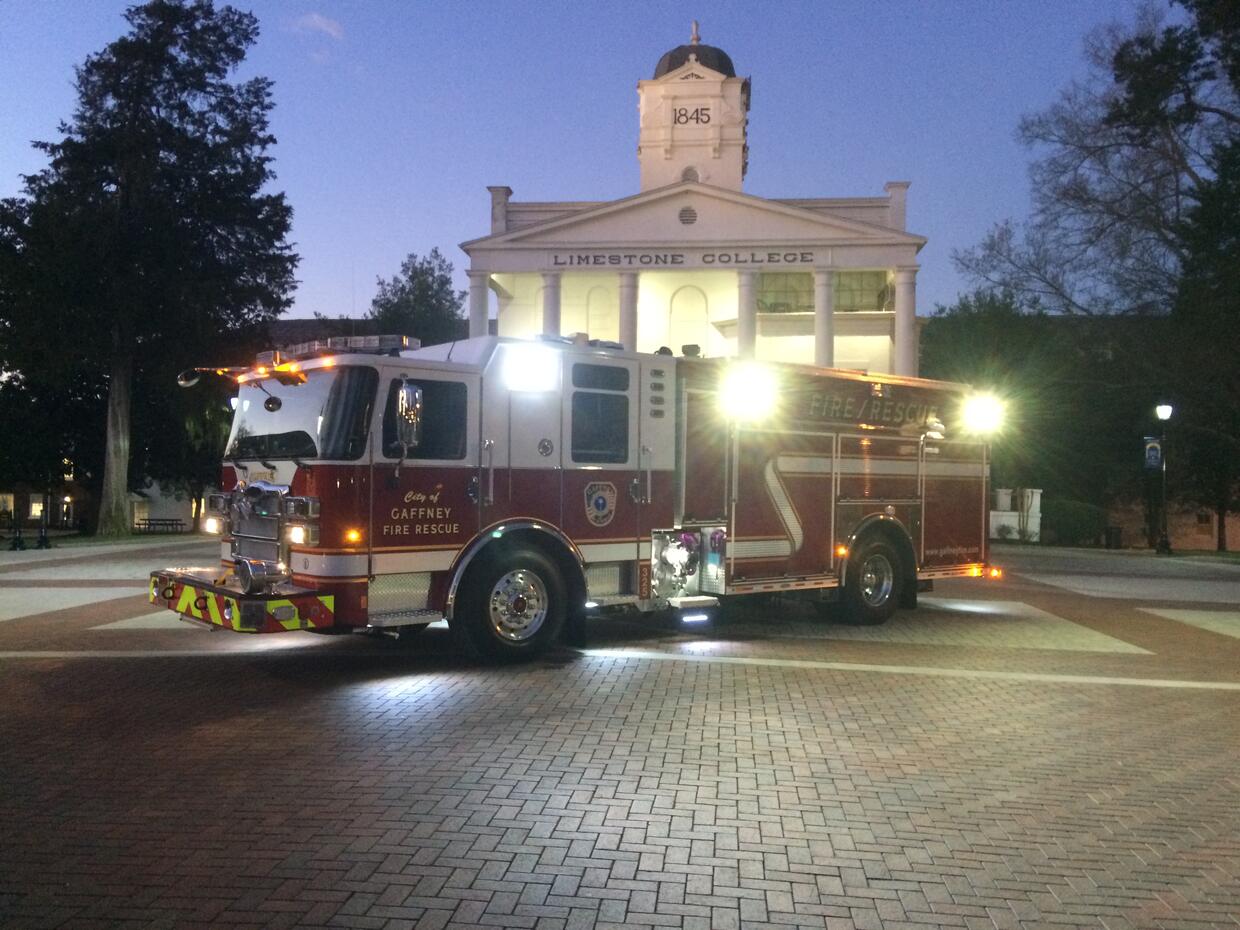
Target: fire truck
x=512, y=487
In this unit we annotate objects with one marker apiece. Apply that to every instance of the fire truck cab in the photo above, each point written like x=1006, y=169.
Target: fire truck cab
x=511, y=487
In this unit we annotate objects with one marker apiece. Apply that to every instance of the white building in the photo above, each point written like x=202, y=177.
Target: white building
x=693, y=259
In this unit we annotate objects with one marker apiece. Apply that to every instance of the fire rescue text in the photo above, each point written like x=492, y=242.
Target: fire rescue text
x=421, y=521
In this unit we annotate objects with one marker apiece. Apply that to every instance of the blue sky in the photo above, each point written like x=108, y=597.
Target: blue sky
x=393, y=117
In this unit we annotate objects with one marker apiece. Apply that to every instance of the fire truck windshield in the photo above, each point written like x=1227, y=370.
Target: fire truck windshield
x=326, y=417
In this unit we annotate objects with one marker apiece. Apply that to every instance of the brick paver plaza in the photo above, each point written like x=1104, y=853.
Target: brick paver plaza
x=1018, y=754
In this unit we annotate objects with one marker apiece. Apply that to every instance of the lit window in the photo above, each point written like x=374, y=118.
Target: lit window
x=862, y=290
x=786, y=292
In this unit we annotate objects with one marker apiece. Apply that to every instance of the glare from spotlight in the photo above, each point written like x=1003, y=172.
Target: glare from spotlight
x=748, y=392
x=531, y=368
x=982, y=413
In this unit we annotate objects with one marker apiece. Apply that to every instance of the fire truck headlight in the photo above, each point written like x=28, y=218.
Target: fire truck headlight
x=748, y=392
x=301, y=535
x=982, y=413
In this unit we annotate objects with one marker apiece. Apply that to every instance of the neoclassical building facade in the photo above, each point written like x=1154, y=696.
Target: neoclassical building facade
x=692, y=259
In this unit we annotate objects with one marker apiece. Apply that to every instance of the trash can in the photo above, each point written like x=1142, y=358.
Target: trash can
x=1114, y=537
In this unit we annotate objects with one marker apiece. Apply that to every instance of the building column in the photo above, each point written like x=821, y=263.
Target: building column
x=628, y=310
x=824, y=318
x=551, y=303
x=906, y=322
x=746, y=314
x=479, y=287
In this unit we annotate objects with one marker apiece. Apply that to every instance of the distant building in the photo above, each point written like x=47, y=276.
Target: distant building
x=693, y=259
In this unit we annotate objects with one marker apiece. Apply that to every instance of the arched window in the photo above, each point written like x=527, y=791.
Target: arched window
x=689, y=174
x=688, y=321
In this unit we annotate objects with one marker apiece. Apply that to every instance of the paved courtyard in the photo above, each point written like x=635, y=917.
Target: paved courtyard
x=1061, y=748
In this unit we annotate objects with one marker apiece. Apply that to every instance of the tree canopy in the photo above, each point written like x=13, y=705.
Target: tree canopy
x=420, y=301
x=150, y=240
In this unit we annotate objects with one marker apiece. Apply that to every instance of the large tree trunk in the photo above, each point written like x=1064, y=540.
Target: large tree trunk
x=1221, y=517
x=114, y=496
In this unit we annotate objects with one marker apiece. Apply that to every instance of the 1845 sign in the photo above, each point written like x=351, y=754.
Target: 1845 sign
x=683, y=115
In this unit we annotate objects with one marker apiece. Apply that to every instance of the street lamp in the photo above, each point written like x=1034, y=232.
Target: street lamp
x=1163, y=412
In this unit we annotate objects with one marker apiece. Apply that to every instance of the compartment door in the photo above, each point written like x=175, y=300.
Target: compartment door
x=603, y=492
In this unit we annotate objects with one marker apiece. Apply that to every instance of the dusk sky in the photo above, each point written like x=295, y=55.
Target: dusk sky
x=392, y=117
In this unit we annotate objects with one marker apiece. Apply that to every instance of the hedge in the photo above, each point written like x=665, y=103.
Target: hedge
x=1072, y=523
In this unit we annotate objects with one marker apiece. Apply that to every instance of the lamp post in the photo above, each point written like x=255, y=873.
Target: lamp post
x=1163, y=412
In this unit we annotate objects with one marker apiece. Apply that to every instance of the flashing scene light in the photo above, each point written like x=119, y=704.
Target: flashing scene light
x=982, y=413
x=531, y=368
x=841, y=552
x=353, y=536
x=748, y=392
x=212, y=525
x=995, y=573
x=1164, y=411
x=694, y=618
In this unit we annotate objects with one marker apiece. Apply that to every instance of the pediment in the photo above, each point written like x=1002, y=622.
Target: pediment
x=692, y=71
x=691, y=212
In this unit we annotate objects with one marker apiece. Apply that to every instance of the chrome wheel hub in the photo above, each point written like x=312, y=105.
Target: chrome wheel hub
x=877, y=579
x=518, y=605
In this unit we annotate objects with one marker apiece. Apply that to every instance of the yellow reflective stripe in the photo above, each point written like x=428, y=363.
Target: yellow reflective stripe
x=292, y=623
x=186, y=604
x=213, y=608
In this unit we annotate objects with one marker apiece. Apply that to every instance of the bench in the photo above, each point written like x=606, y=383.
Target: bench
x=160, y=525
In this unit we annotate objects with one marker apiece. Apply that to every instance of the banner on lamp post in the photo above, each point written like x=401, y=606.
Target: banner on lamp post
x=1153, y=453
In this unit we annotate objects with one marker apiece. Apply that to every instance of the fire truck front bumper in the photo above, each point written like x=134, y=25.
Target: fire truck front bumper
x=216, y=605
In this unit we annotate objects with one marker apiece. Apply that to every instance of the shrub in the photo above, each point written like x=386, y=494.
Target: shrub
x=1072, y=523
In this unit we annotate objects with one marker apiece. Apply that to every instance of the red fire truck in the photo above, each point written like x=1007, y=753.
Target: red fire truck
x=511, y=487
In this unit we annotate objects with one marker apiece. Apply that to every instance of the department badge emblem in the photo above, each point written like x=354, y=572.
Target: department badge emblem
x=600, y=502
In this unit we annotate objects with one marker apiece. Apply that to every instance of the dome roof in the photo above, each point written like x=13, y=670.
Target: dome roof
x=714, y=58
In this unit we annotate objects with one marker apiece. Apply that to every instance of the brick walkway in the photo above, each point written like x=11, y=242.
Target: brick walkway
x=171, y=777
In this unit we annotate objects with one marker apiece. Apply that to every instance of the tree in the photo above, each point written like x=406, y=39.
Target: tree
x=1123, y=156
x=420, y=301
x=150, y=235
x=1128, y=163
x=1207, y=319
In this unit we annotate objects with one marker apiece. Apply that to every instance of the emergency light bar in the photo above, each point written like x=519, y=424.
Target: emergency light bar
x=366, y=344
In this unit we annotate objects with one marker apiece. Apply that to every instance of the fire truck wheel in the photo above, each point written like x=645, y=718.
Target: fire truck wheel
x=512, y=606
x=872, y=589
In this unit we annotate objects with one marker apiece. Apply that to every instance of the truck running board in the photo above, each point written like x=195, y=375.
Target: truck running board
x=404, y=618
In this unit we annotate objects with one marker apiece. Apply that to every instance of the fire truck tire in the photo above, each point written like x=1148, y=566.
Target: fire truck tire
x=512, y=606
x=873, y=587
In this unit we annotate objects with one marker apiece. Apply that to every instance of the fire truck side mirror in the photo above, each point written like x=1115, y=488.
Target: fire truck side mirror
x=409, y=416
